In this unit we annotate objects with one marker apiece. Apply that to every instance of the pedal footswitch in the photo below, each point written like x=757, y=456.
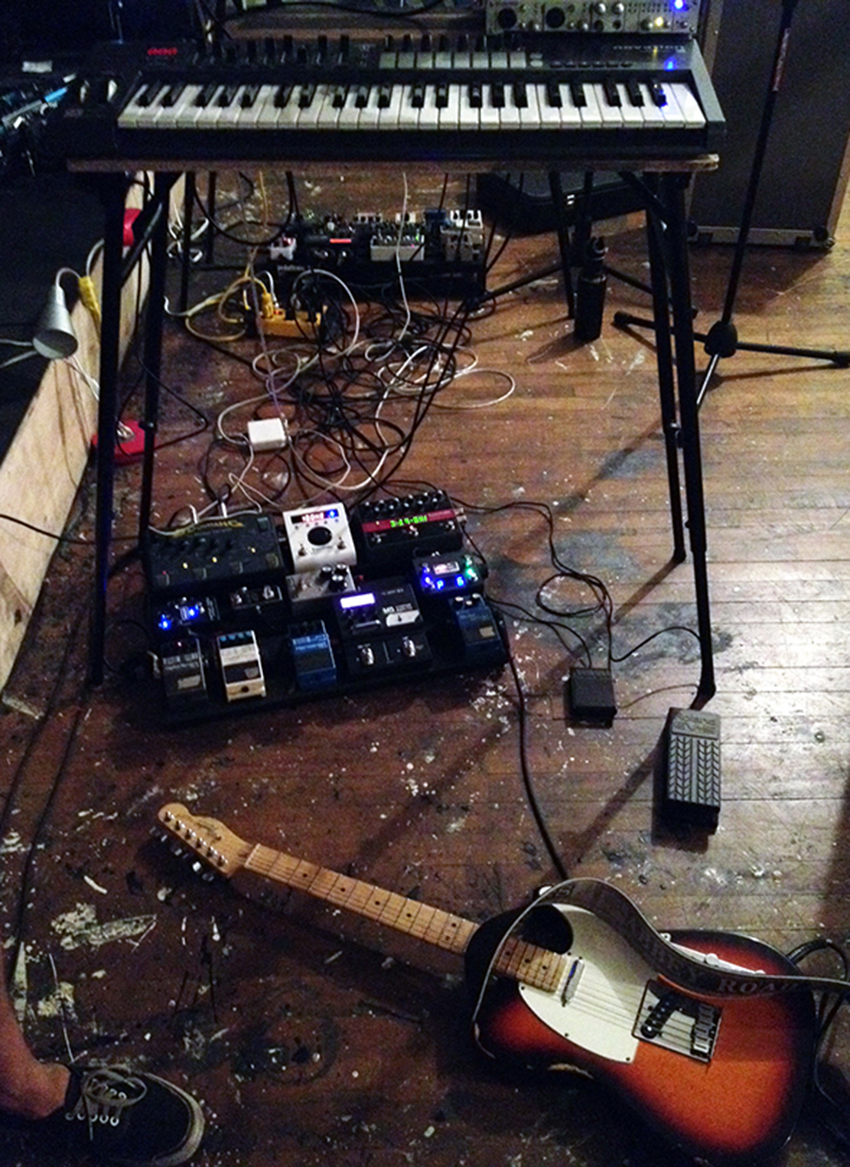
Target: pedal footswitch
x=241, y=666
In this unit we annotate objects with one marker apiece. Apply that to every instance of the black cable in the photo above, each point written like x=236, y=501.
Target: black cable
x=528, y=784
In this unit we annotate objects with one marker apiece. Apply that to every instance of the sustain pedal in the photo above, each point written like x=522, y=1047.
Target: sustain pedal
x=692, y=767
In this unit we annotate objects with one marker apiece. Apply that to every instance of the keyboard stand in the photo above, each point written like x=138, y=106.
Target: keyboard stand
x=664, y=183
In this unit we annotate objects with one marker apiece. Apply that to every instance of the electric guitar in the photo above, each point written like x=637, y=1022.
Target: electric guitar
x=722, y=1073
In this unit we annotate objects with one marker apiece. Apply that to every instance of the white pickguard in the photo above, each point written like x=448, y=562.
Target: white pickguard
x=598, y=1007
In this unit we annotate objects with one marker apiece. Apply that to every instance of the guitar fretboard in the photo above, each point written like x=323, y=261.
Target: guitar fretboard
x=518, y=959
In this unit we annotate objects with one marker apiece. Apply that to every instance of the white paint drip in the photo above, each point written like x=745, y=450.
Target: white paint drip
x=80, y=927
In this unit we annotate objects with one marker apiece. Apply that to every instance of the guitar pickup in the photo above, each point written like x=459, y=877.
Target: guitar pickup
x=676, y=1022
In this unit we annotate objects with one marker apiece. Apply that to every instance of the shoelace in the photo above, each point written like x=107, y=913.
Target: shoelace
x=105, y=1096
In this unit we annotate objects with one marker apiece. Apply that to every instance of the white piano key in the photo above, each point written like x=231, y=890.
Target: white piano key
x=370, y=112
x=469, y=115
x=673, y=117
x=509, y=114
x=591, y=114
x=529, y=117
x=690, y=107
x=550, y=115
x=309, y=118
x=390, y=117
x=570, y=112
x=652, y=114
x=350, y=113
x=429, y=115
x=205, y=115
x=631, y=114
x=611, y=115
x=449, y=116
x=287, y=116
x=229, y=116
x=408, y=116
x=264, y=114
x=134, y=113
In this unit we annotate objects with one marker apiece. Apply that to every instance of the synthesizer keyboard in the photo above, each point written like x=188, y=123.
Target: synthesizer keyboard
x=437, y=98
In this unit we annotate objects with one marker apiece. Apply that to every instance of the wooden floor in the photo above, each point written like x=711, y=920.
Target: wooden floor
x=312, y=1039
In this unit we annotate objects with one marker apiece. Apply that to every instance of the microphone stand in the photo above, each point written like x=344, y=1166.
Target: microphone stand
x=722, y=338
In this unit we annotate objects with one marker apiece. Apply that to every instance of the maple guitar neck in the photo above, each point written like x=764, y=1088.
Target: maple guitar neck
x=519, y=960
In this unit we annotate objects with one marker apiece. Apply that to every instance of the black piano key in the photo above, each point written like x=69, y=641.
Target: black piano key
x=553, y=94
x=305, y=96
x=520, y=95
x=612, y=94
x=417, y=95
x=340, y=94
x=656, y=92
x=442, y=95
x=385, y=93
x=473, y=93
x=578, y=95
x=169, y=98
x=282, y=96
x=207, y=93
x=361, y=97
x=249, y=96
x=497, y=95
x=226, y=95
x=150, y=93
x=635, y=92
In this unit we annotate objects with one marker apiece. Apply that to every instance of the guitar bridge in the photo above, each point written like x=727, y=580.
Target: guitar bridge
x=677, y=1022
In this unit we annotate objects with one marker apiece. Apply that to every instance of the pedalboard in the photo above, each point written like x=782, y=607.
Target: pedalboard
x=383, y=596
x=443, y=250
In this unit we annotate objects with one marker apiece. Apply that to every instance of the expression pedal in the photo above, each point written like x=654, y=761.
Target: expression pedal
x=318, y=537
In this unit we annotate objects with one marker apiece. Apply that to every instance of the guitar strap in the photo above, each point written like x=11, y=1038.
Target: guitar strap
x=701, y=974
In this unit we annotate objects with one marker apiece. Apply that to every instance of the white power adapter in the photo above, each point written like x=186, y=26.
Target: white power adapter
x=266, y=433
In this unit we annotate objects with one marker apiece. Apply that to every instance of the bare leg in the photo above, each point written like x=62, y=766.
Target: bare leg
x=28, y=1087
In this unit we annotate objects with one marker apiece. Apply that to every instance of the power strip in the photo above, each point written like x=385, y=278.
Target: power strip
x=319, y=536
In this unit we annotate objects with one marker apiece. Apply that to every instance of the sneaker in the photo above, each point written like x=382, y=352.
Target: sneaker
x=128, y=1118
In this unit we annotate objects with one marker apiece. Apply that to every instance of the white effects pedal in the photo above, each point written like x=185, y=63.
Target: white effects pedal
x=318, y=536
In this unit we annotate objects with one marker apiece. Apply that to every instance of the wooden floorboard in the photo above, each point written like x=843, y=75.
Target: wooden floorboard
x=320, y=1041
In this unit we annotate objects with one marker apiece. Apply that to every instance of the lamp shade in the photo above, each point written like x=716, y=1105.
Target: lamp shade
x=54, y=335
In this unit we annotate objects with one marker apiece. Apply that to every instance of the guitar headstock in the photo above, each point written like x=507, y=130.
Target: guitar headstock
x=216, y=846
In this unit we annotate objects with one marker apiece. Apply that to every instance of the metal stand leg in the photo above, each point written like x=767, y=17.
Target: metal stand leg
x=672, y=193
x=153, y=342
x=113, y=192
x=666, y=380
